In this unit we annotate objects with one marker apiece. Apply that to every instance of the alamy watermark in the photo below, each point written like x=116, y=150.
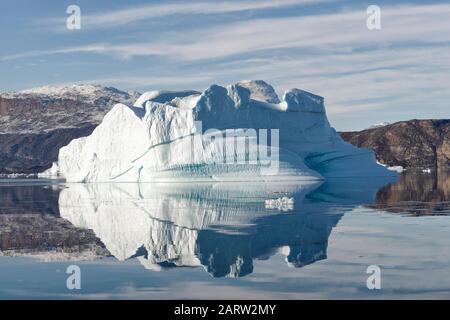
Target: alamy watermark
x=73, y=22
x=73, y=281
x=374, y=280
x=211, y=151
x=239, y=146
x=374, y=19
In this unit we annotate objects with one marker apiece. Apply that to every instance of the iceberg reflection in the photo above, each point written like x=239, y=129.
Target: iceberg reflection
x=222, y=227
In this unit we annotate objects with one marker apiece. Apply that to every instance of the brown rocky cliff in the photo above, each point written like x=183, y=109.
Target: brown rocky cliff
x=417, y=144
x=35, y=125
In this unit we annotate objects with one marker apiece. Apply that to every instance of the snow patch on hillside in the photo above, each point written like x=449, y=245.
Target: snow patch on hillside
x=88, y=92
x=379, y=125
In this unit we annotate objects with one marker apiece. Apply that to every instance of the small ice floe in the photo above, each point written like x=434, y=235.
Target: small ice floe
x=281, y=204
x=398, y=169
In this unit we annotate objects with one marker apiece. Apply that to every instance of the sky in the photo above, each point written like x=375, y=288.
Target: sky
x=399, y=72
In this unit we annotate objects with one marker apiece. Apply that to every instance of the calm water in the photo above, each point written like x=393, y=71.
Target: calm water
x=218, y=241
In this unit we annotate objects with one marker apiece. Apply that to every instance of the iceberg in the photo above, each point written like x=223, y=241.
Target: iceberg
x=241, y=132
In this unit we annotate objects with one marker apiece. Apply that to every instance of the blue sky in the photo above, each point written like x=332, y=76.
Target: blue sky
x=397, y=73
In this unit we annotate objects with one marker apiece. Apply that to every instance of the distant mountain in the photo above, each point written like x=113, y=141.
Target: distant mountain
x=415, y=144
x=57, y=107
x=35, y=123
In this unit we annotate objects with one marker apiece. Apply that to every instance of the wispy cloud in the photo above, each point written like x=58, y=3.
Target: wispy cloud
x=158, y=82
x=91, y=48
x=343, y=31
x=403, y=66
x=133, y=15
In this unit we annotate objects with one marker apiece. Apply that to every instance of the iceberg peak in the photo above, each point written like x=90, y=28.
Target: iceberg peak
x=260, y=90
x=162, y=96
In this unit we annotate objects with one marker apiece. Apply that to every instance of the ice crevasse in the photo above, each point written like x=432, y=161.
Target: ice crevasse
x=159, y=139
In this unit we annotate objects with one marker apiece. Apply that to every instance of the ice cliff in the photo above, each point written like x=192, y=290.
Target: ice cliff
x=185, y=135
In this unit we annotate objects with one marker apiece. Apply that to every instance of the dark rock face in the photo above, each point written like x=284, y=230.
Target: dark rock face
x=415, y=144
x=35, y=152
x=35, y=124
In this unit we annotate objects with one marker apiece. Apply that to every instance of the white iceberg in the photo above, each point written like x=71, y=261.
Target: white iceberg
x=159, y=139
x=398, y=169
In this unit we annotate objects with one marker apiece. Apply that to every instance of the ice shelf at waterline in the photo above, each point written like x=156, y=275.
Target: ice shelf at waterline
x=158, y=139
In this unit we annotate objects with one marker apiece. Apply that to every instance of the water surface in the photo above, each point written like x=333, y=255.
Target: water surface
x=219, y=241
